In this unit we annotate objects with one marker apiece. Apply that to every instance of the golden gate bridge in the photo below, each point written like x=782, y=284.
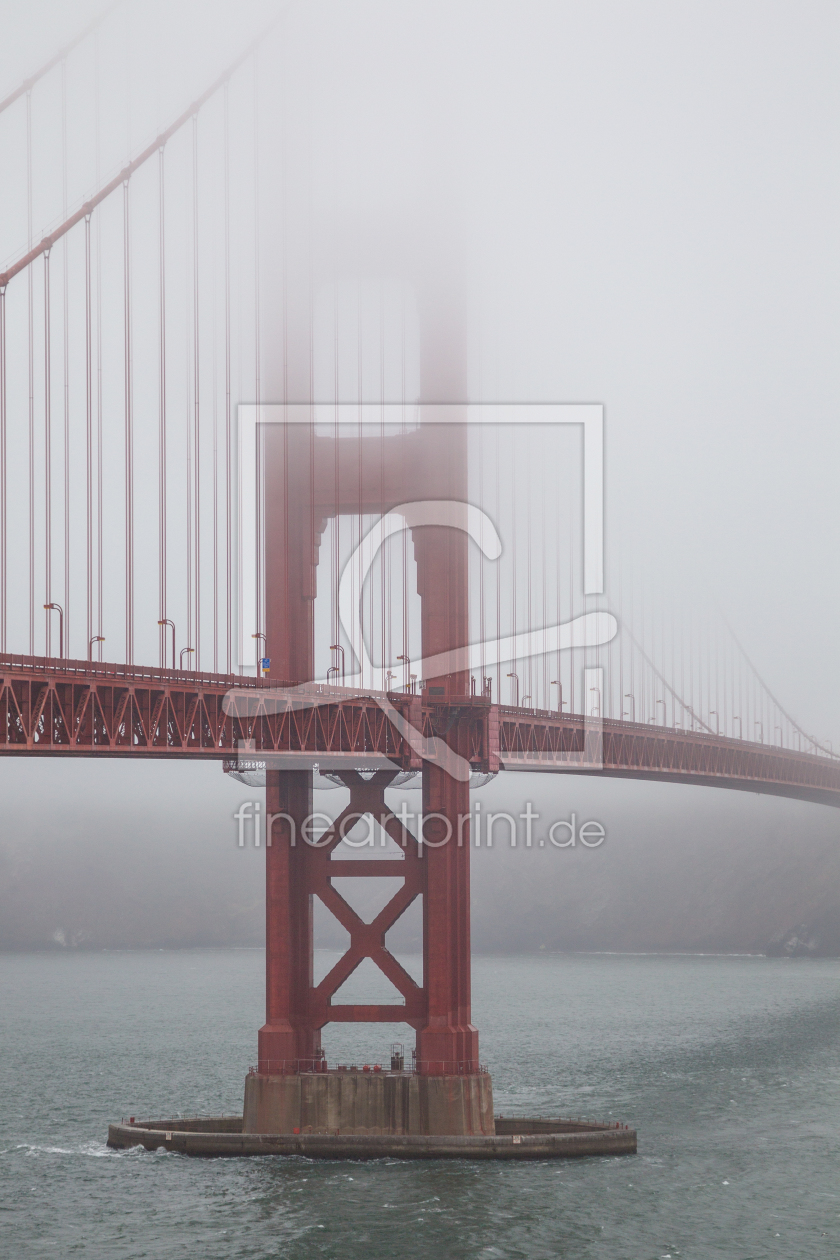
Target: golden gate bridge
x=135, y=341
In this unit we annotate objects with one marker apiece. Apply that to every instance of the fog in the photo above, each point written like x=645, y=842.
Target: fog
x=632, y=205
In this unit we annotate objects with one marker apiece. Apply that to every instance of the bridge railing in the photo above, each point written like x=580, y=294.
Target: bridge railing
x=53, y=666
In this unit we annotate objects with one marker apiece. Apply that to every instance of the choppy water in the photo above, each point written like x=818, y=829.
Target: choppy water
x=729, y=1067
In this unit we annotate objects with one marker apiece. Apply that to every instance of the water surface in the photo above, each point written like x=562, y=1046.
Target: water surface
x=728, y=1067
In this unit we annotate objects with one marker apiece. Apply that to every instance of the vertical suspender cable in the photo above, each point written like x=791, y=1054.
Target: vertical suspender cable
x=188, y=430
x=47, y=448
x=572, y=658
x=228, y=450
x=66, y=331
x=334, y=627
x=196, y=405
x=215, y=380
x=529, y=612
x=498, y=570
x=405, y=647
x=88, y=440
x=31, y=317
x=162, y=411
x=99, y=476
x=215, y=482
x=513, y=539
x=358, y=591
x=215, y=459
x=257, y=383
x=480, y=461
x=383, y=558
x=129, y=437
x=309, y=571
x=3, y=506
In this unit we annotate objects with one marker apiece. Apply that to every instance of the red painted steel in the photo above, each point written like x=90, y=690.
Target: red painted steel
x=47, y=707
x=308, y=479
x=297, y=871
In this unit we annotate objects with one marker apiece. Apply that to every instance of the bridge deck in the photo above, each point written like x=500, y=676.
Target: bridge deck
x=51, y=707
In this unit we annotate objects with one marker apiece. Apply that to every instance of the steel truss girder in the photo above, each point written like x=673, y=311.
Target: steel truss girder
x=82, y=708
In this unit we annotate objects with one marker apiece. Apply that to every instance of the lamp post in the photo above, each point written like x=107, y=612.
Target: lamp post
x=333, y=669
x=259, y=635
x=664, y=712
x=598, y=714
x=389, y=674
x=628, y=695
x=560, y=701
x=97, y=638
x=736, y=718
x=412, y=679
x=781, y=736
x=183, y=652
x=406, y=660
x=57, y=608
x=515, y=677
x=336, y=647
x=760, y=731
x=526, y=700
x=167, y=622
x=714, y=713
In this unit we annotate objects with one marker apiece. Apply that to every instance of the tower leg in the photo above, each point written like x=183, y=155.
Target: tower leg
x=449, y=1041
x=287, y=1037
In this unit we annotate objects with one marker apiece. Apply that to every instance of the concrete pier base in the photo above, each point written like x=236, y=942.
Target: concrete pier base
x=515, y=1138
x=353, y=1103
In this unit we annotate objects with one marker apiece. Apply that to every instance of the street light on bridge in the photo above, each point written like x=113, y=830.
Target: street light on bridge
x=515, y=677
x=97, y=638
x=560, y=701
x=628, y=695
x=336, y=647
x=166, y=622
x=57, y=608
x=183, y=651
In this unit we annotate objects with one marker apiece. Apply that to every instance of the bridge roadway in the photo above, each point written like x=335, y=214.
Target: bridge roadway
x=56, y=707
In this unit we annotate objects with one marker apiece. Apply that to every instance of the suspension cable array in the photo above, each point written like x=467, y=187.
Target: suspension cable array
x=668, y=667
